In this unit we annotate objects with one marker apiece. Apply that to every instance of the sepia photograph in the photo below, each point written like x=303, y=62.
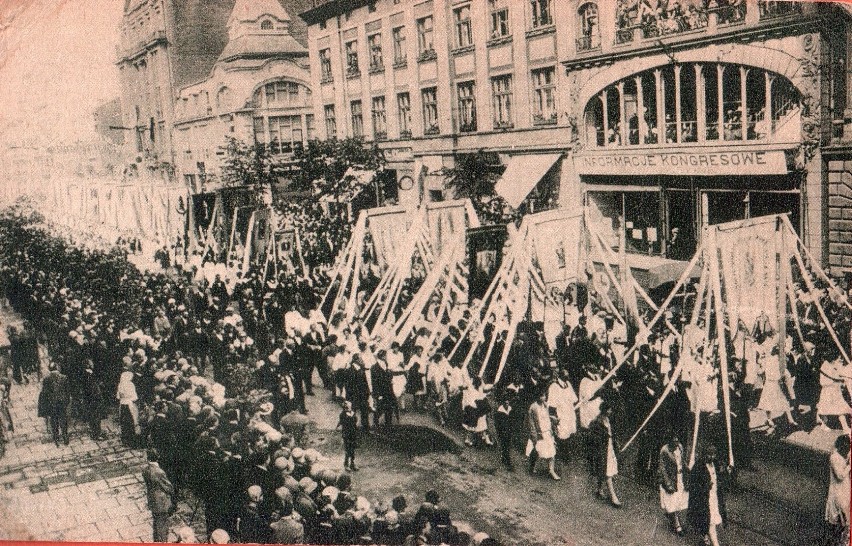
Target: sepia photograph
x=426, y=272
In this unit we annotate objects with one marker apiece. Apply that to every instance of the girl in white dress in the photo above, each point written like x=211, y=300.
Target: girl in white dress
x=831, y=401
x=837, y=503
x=773, y=400
x=541, y=444
x=561, y=399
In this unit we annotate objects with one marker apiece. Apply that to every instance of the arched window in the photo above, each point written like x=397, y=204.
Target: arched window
x=694, y=103
x=588, y=25
x=266, y=25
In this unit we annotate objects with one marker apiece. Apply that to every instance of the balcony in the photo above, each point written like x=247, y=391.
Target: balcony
x=399, y=63
x=729, y=14
x=589, y=43
x=624, y=35
x=544, y=118
x=427, y=55
x=772, y=9
x=353, y=72
x=377, y=68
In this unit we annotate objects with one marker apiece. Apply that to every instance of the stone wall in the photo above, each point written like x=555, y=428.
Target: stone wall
x=840, y=214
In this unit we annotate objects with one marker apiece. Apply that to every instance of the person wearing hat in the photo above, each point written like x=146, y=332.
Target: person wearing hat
x=287, y=529
x=254, y=521
x=358, y=390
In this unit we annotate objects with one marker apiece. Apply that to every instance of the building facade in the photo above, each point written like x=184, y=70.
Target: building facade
x=190, y=72
x=430, y=80
x=663, y=117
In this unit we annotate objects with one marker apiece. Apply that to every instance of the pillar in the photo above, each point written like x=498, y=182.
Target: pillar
x=743, y=102
x=640, y=107
x=661, y=106
x=767, y=108
x=622, y=112
x=720, y=72
x=678, y=113
x=700, y=104
x=605, y=115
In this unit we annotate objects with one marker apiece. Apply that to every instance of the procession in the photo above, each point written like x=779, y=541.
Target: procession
x=272, y=322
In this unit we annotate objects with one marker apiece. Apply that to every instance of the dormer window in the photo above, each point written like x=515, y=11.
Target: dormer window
x=266, y=25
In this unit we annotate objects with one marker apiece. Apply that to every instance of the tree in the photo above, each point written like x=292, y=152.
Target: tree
x=322, y=166
x=474, y=177
x=253, y=165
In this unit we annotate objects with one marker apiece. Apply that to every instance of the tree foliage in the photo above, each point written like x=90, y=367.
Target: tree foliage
x=250, y=164
x=322, y=166
x=474, y=177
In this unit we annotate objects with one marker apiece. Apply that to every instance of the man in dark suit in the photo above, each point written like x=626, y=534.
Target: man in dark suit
x=57, y=397
x=160, y=492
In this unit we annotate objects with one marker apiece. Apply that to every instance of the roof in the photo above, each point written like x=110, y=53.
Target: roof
x=252, y=10
x=323, y=11
x=262, y=45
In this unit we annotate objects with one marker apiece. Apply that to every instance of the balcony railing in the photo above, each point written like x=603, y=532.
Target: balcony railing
x=544, y=118
x=730, y=14
x=624, y=35
x=353, y=72
x=589, y=43
x=427, y=55
x=769, y=9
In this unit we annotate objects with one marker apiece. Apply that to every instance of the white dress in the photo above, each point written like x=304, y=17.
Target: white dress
x=831, y=401
x=470, y=396
x=679, y=500
x=590, y=410
x=837, y=503
x=546, y=446
x=562, y=399
x=611, y=459
x=772, y=399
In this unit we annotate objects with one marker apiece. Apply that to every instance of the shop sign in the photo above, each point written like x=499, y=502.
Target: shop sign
x=699, y=163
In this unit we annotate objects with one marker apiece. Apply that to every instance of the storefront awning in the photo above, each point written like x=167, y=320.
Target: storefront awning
x=522, y=174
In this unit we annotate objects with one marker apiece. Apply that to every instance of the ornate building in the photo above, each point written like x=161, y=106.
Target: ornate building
x=664, y=116
x=194, y=72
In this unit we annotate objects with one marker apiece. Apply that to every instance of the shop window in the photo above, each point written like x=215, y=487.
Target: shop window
x=635, y=215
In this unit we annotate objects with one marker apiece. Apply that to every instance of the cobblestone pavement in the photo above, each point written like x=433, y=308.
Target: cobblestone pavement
x=85, y=491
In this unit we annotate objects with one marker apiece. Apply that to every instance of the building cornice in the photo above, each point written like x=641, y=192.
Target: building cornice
x=332, y=8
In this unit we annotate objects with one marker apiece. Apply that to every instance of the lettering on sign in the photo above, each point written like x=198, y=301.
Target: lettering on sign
x=692, y=163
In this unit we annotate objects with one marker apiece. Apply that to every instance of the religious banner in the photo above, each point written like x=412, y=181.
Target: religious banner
x=557, y=247
x=485, y=256
x=748, y=260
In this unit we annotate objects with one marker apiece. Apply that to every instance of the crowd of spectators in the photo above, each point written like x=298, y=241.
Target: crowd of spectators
x=212, y=379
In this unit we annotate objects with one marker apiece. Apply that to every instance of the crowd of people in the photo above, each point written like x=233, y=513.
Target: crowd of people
x=212, y=375
x=212, y=380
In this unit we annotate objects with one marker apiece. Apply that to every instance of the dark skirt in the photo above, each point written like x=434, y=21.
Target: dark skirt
x=128, y=428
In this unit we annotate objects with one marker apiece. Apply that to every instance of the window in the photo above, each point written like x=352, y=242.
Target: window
x=380, y=125
x=499, y=18
x=310, y=130
x=430, y=111
x=352, y=67
x=464, y=30
x=285, y=133
x=325, y=65
x=403, y=104
x=374, y=42
x=399, y=55
x=544, y=95
x=589, y=30
x=541, y=13
x=259, y=131
x=467, y=106
x=330, y=121
x=266, y=25
x=357, y=118
x=501, y=91
x=277, y=94
x=425, y=36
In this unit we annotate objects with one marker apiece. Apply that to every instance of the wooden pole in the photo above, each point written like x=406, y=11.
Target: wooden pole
x=720, y=333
